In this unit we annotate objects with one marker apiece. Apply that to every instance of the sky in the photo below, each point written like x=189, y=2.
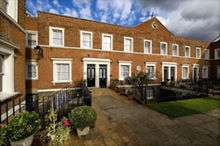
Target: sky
x=199, y=19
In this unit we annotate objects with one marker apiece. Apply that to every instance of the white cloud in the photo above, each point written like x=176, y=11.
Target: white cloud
x=56, y=3
x=70, y=12
x=54, y=11
x=86, y=13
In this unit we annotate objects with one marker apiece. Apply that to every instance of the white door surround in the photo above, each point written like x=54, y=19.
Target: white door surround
x=96, y=62
x=8, y=68
x=169, y=65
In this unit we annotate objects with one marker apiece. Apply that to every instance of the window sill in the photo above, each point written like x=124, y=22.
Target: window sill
x=61, y=82
x=4, y=96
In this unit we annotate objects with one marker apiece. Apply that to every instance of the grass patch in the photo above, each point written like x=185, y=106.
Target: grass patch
x=185, y=107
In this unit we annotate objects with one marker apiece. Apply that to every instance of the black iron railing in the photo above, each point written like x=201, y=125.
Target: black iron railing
x=61, y=101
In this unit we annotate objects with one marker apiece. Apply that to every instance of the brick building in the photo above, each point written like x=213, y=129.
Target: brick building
x=77, y=49
x=73, y=49
x=12, y=49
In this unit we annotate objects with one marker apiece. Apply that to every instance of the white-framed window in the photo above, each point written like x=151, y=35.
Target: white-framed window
x=12, y=9
x=56, y=35
x=217, y=53
x=1, y=72
x=124, y=69
x=86, y=39
x=198, y=52
x=151, y=70
x=218, y=72
x=128, y=44
x=32, y=38
x=205, y=72
x=206, y=54
x=163, y=48
x=31, y=70
x=148, y=46
x=187, y=51
x=175, y=50
x=107, y=42
x=185, y=72
x=62, y=70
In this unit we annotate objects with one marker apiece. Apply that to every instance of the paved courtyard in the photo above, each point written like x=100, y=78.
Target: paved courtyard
x=123, y=122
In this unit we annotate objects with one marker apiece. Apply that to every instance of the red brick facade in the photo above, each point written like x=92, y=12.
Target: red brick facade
x=71, y=49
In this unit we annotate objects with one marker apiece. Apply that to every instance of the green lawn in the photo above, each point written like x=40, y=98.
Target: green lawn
x=185, y=107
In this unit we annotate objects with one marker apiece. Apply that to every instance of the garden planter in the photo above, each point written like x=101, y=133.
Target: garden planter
x=82, y=131
x=24, y=142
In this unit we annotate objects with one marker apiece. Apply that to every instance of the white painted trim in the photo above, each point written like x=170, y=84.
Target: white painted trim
x=124, y=63
x=166, y=48
x=189, y=51
x=177, y=50
x=109, y=35
x=12, y=9
x=169, y=65
x=31, y=31
x=64, y=61
x=155, y=68
x=200, y=53
x=132, y=44
x=51, y=36
x=150, y=41
x=187, y=66
x=12, y=20
x=97, y=62
x=114, y=51
x=81, y=39
x=36, y=65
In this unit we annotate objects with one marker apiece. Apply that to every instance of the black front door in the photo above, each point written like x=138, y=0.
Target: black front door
x=91, y=75
x=103, y=76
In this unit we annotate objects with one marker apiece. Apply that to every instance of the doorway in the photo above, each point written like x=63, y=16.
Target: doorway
x=103, y=76
x=91, y=75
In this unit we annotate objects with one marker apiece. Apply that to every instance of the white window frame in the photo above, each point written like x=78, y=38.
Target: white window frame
x=205, y=76
x=198, y=56
x=166, y=53
x=206, y=57
x=155, y=68
x=150, y=41
x=185, y=66
x=31, y=31
x=185, y=51
x=124, y=63
x=169, y=65
x=61, y=61
x=216, y=54
x=32, y=63
x=132, y=44
x=12, y=9
x=177, y=49
x=81, y=39
x=51, y=36
x=108, y=35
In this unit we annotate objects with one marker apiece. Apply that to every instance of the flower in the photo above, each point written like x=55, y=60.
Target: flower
x=66, y=123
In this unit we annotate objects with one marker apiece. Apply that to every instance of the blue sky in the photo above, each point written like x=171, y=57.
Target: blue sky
x=192, y=18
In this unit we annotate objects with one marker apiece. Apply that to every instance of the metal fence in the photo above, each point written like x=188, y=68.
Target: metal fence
x=62, y=101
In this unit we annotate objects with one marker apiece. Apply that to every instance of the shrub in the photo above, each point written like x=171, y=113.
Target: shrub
x=3, y=134
x=82, y=116
x=114, y=83
x=23, y=125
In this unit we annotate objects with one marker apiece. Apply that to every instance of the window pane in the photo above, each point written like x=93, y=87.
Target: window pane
x=163, y=48
x=31, y=39
x=185, y=72
x=57, y=37
x=31, y=71
x=124, y=71
x=63, y=72
x=174, y=50
x=107, y=43
x=147, y=47
x=87, y=43
x=187, y=52
x=127, y=45
x=151, y=71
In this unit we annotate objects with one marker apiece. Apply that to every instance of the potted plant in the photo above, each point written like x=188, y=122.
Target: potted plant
x=22, y=127
x=82, y=118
